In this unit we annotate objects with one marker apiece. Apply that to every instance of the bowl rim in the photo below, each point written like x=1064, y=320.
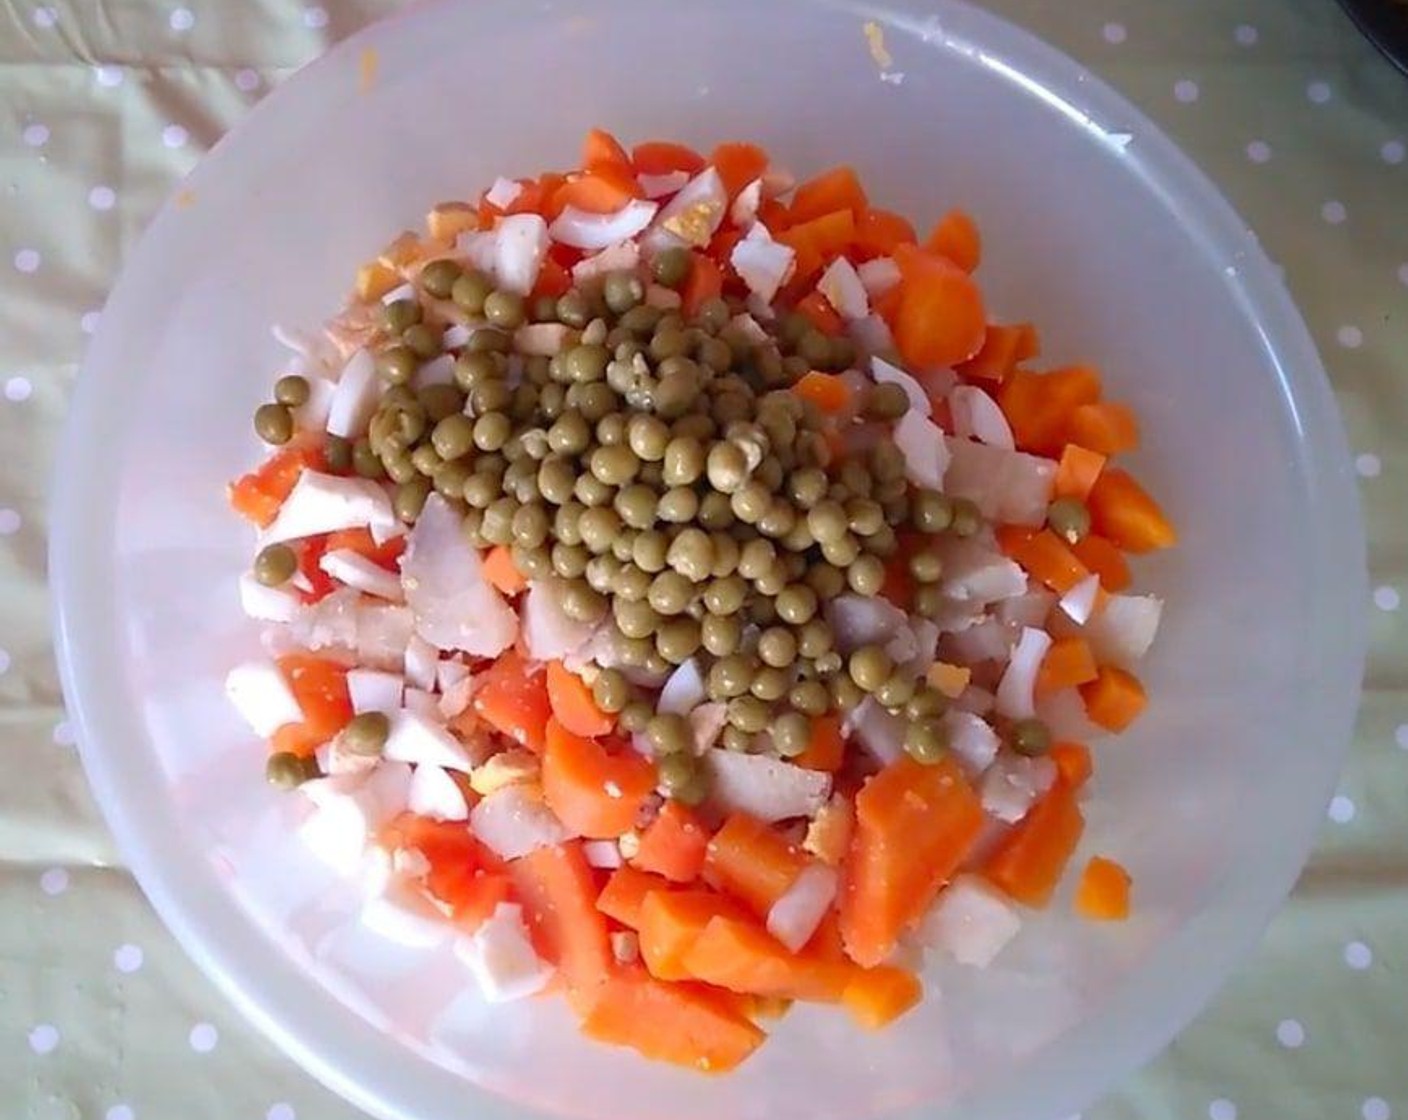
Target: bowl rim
x=209, y=924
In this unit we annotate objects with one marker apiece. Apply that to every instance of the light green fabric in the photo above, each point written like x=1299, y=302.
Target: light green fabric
x=104, y=106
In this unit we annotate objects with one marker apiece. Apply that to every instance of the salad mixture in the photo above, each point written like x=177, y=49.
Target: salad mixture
x=683, y=597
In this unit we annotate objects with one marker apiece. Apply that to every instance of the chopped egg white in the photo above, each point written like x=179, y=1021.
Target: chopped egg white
x=436, y=795
x=971, y=921
x=419, y=740
x=325, y=503
x=354, y=570
x=842, y=288
x=268, y=604
x=261, y=695
x=355, y=397
x=500, y=956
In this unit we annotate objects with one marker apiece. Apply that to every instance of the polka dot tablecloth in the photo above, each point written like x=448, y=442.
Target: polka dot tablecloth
x=105, y=106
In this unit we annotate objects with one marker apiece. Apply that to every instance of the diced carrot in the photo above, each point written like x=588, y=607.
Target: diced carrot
x=1077, y=471
x=914, y=825
x=671, y=921
x=774, y=215
x=1108, y=427
x=1068, y=664
x=766, y=1007
x=878, y=996
x=1039, y=406
x=558, y=895
x=573, y=705
x=887, y=304
x=320, y=687
x=705, y=282
x=752, y=862
x=259, y=494
x=827, y=391
x=817, y=240
x=317, y=584
x=361, y=542
x=956, y=237
x=941, y=320
x=879, y=231
x=820, y=313
x=836, y=189
x=720, y=251
x=1102, y=895
x=660, y=157
x=674, y=843
x=1122, y=510
x=502, y=572
x=684, y=1024
x=1044, y=556
x=1073, y=763
x=296, y=738
x=999, y=354
x=1028, y=862
x=898, y=587
x=513, y=700
x=1105, y=560
x=599, y=147
x=739, y=955
x=595, y=792
x=463, y=874
x=554, y=279
x=738, y=164
x=1114, y=699
x=602, y=190
x=625, y=892
x=826, y=749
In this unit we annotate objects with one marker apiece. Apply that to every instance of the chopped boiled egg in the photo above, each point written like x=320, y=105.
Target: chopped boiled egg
x=843, y=290
x=520, y=246
x=402, y=913
x=325, y=503
x=416, y=739
x=268, y=604
x=355, y=398
x=500, y=955
x=261, y=695
x=436, y=795
x=971, y=921
x=354, y=570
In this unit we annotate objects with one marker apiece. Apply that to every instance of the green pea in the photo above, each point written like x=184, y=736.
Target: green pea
x=490, y=340
x=866, y=575
x=573, y=309
x=791, y=733
x=439, y=276
x=678, y=506
x=365, y=462
x=635, y=716
x=1068, y=518
x=796, y=604
x=366, y=734
x=426, y=459
x=967, y=519
x=846, y=695
x=504, y=309
x=1029, y=737
x=827, y=521
x=599, y=525
x=926, y=567
x=885, y=401
x=715, y=511
x=735, y=739
x=470, y=291
x=292, y=390
x=684, y=461
x=425, y=341
x=670, y=593
x=726, y=595
x=534, y=563
x=691, y=554
x=682, y=778
x=926, y=740
x=636, y=505
x=273, y=423
x=410, y=497
x=669, y=733
x=870, y=666
x=896, y=690
x=721, y=635
x=591, y=491
x=474, y=369
x=826, y=580
x=582, y=603
x=449, y=480
x=622, y=291
x=810, y=698
x=727, y=467
x=285, y=770
x=678, y=640
x=400, y=315
x=749, y=714
x=275, y=565
x=672, y=267
x=770, y=683
x=530, y=525
x=777, y=646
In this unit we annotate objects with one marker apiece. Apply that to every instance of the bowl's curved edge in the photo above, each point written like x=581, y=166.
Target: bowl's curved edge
x=77, y=577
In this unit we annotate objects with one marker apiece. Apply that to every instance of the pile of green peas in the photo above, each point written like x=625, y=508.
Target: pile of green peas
x=662, y=471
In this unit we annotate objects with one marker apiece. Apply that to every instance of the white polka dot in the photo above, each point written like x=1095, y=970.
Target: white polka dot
x=54, y=881
x=102, y=198
x=9, y=522
x=63, y=735
x=1386, y=598
x=1185, y=90
x=203, y=1038
x=1290, y=1034
x=1222, y=1109
x=182, y=19
x=1368, y=465
x=43, y=1038
x=1318, y=92
x=1114, y=33
x=1403, y=273
x=120, y=1112
x=174, y=136
x=4, y=661
x=89, y=323
x=1400, y=736
x=1245, y=35
x=18, y=389
x=315, y=18
x=28, y=260
x=1258, y=151
x=1341, y=810
x=1375, y=1108
x=109, y=77
x=1350, y=337
x=35, y=135
x=1392, y=151
x=1358, y=956
x=1334, y=212
x=128, y=958
x=281, y=1111
x=45, y=16
x=247, y=80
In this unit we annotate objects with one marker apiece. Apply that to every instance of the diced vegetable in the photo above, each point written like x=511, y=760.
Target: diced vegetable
x=624, y=894
x=1073, y=763
x=555, y=887
x=768, y=788
x=1121, y=510
x=971, y=921
x=673, y=844
x=1106, y=428
x=1040, y=406
x=1102, y=894
x=594, y=792
x=513, y=699
x=877, y=996
x=752, y=862
x=572, y=704
x=1029, y=861
x=956, y=237
x=737, y=954
x=671, y=922
x=914, y=826
x=940, y=320
x=1115, y=699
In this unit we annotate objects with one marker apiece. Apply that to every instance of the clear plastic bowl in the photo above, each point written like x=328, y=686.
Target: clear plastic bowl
x=1095, y=226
